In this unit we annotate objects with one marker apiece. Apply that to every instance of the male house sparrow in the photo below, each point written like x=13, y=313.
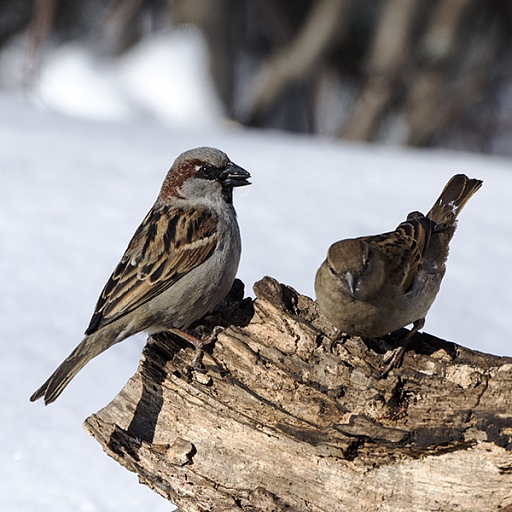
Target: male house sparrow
x=179, y=265
x=375, y=285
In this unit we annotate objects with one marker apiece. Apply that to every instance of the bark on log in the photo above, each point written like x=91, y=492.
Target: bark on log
x=291, y=416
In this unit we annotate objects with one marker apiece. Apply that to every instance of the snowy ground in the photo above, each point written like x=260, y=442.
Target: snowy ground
x=74, y=190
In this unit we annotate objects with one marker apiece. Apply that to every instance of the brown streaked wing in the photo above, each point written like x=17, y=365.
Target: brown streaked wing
x=405, y=248
x=168, y=244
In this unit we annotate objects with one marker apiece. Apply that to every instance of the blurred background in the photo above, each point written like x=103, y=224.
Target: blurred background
x=425, y=73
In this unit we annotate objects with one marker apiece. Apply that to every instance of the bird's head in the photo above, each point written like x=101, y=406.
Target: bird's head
x=203, y=173
x=358, y=270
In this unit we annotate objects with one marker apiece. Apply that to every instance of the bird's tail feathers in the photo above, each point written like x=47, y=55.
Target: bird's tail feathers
x=454, y=196
x=88, y=348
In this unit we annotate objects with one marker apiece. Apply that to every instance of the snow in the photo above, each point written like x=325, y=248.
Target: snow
x=75, y=187
x=165, y=76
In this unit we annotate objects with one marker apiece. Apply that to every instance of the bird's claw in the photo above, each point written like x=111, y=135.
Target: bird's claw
x=200, y=343
x=393, y=359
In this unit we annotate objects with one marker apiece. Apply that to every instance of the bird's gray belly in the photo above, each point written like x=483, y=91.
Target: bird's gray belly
x=198, y=292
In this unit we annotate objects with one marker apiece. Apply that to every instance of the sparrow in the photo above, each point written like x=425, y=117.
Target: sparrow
x=375, y=285
x=179, y=265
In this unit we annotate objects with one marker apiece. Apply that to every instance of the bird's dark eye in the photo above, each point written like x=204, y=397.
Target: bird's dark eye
x=206, y=172
x=367, y=259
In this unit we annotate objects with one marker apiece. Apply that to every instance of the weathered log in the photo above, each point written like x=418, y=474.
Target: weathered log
x=290, y=415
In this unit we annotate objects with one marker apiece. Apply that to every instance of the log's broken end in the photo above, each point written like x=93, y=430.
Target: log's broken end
x=290, y=415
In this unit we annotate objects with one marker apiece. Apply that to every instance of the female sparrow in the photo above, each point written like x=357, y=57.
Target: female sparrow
x=180, y=263
x=375, y=285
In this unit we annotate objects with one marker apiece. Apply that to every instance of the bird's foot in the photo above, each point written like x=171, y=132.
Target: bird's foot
x=199, y=339
x=202, y=341
x=338, y=339
x=393, y=358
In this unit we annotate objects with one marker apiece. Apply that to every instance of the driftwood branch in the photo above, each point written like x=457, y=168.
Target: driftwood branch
x=290, y=416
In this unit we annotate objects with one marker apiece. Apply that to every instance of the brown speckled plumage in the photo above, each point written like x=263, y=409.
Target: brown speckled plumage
x=180, y=263
x=374, y=285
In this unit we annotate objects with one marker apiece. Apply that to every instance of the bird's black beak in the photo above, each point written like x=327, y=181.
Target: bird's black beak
x=234, y=176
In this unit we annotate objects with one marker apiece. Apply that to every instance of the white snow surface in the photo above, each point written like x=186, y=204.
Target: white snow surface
x=165, y=76
x=75, y=189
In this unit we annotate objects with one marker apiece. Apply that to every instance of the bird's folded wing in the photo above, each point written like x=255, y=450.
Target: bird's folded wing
x=168, y=244
x=405, y=249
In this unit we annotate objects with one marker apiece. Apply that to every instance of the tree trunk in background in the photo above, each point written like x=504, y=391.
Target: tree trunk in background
x=297, y=60
x=291, y=417
x=39, y=29
x=215, y=18
x=431, y=106
x=390, y=50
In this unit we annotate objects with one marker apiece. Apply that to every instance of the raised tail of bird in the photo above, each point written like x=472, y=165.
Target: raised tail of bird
x=454, y=196
x=88, y=348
